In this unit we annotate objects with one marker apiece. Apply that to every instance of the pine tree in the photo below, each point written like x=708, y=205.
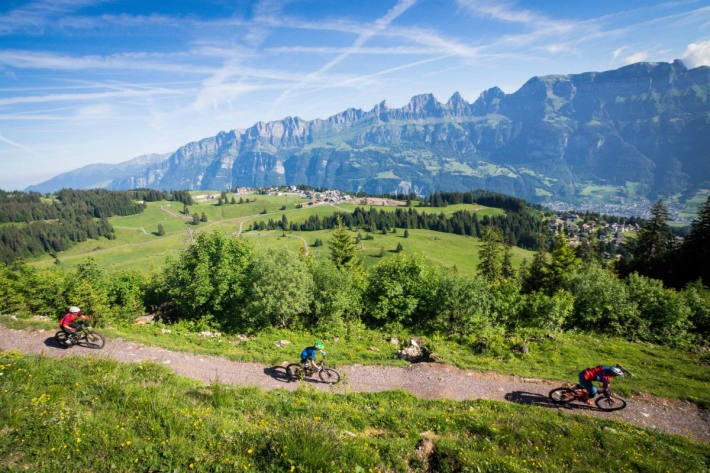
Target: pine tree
x=535, y=276
x=342, y=247
x=203, y=217
x=161, y=229
x=241, y=200
x=489, y=255
x=655, y=238
x=406, y=233
x=233, y=201
x=382, y=252
x=564, y=262
x=399, y=248
x=506, y=269
x=195, y=219
x=186, y=210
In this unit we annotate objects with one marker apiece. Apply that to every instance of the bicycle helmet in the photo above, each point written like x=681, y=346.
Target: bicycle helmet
x=74, y=309
x=318, y=345
x=616, y=371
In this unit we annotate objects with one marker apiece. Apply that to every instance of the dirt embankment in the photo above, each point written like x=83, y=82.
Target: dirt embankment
x=425, y=380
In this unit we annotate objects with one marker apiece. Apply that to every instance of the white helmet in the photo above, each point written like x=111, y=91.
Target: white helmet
x=616, y=371
x=74, y=309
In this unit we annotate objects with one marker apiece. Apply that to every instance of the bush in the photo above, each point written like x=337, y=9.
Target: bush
x=665, y=310
x=395, y=289
x=209, y=277
x=457, y=305
x=280, y=290
x=602, y=303
x=337, y=295
x=10, y=298
x=546, y=312
x=126, y=293
x=697, y=297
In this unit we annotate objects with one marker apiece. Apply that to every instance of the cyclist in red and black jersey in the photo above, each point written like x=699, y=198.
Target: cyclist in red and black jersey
x=73, y=321
x=598, y=373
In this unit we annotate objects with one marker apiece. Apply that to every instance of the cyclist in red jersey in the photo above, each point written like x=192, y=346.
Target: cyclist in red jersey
x=73, y=321
x=598, y=373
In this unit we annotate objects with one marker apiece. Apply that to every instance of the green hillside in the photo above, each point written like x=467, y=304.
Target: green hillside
x=137, y=245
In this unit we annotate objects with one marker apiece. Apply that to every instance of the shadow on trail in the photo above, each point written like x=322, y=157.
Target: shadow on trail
x=52, y=342
x=534, y=399
x=278, y=373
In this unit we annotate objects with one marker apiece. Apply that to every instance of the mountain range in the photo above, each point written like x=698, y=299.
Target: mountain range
x=622, y=136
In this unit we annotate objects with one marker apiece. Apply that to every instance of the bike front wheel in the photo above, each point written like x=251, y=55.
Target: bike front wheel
x=562, y=395
x=329, y=376
x=94, y=340
x=294, y=371
x=607, y=404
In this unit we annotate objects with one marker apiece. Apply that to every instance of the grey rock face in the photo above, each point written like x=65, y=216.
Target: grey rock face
x=644, y=127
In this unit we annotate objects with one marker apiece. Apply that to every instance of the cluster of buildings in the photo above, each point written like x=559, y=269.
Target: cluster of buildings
x=578, y=229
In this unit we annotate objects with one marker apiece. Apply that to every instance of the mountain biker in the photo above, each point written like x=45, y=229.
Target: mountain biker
x=598, y=373
x=73, y=321
x=308, y=355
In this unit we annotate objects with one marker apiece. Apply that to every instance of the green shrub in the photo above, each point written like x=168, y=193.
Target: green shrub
x=209, y=277
x=280, y=289
x=602, y=303
x=337, y=295
x=457, y=305
x=665, y=310
x=546, y=312
x=396, y=288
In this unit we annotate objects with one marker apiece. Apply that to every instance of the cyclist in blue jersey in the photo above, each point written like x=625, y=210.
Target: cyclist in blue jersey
x=308, y=355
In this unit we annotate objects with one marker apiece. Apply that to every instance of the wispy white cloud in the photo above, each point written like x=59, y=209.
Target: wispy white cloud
x=49, y=98
x=16, y=145
x=636, y=57
x=22, y=59
x=36, y=16
x=615, y=54
x=377, y=26
x=697, y=54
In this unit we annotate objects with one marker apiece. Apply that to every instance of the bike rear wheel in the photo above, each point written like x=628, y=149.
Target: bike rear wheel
x=62, y=339
x=93, y=340
x=329, y=375
x=563, y=395
x=294, y=371
x=606, y=404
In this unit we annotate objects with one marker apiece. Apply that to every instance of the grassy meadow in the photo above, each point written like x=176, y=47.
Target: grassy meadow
x=90, y=415
x=138, y=246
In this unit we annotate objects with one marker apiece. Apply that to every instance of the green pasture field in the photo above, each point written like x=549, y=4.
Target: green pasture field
x=137, y=245
x=480, y=210
x=658, y=370
x=441, y=249
x=88, y=415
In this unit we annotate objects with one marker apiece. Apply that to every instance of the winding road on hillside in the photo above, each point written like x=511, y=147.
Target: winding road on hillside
x=425, y=380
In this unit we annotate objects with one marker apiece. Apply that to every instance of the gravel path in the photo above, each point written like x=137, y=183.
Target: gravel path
x=425, y=380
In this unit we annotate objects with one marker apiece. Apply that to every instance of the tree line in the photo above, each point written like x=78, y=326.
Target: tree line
x=518, y=228
x=47, y=226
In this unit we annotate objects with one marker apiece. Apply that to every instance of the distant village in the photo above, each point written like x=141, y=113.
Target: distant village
x=579, y=229
x=326, y=196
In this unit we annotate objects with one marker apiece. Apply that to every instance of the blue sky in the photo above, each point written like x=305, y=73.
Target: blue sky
x=87, y=81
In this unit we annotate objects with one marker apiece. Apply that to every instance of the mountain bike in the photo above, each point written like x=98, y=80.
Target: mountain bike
x=605, y=400
x=82, y=337
x=297, y=371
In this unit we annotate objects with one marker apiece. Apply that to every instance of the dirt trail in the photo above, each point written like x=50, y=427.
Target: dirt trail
x=425, y=380
x=175, y=214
